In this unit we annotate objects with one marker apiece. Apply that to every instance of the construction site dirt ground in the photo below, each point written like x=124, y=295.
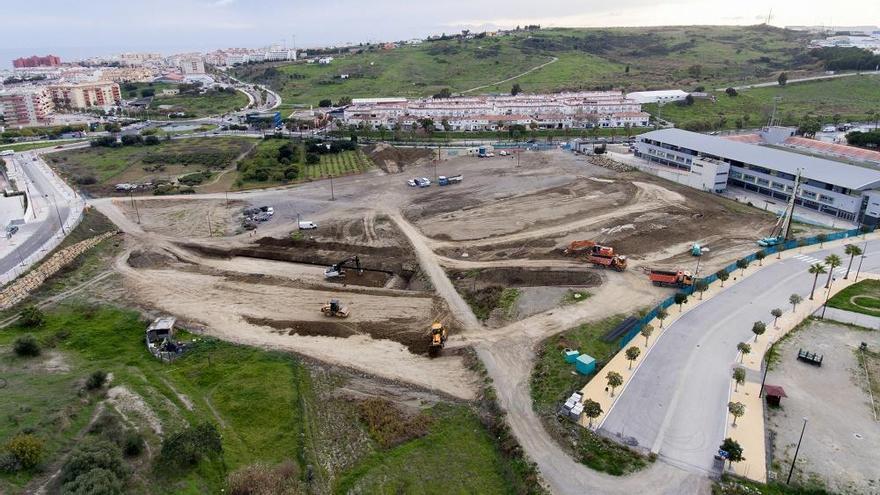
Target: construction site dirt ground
x=509, y=219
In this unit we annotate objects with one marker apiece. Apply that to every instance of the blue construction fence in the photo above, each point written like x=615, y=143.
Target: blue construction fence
x=792, y=244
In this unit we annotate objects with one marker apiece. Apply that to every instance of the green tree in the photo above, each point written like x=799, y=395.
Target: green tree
x=93, y=454
x=701, y=286
x=661, y=315
x=782, y=79
x=592, y=409
x=760, y=255
x=758, y=328
x=722, y=275
x=736, y=409
x=614, y=379
x=833, y=261
x=821, y=238
x=31, y=316
x=742, y=264
x=646, y=332
x=794, y=300
x=325, y=103
x=852, y=250
x=815, y=269
x=516, y=89
x=632, y=354
x=26, y=346
x=743, y=348
x=731, y=92
x=776, y=312
x=680, y=299
x=739, y=376
x=26, y=448
x=98, y=481
x=733, y=449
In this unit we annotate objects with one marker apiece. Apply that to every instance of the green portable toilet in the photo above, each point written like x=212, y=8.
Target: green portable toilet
x=585, y=364
x=570, y=355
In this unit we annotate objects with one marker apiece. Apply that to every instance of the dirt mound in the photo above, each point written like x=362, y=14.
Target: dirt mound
x=395, y=160
x=518, y=277
x=150, y=259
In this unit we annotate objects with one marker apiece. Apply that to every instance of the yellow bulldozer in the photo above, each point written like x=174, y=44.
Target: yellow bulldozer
x=335, y=308
x=438, y=339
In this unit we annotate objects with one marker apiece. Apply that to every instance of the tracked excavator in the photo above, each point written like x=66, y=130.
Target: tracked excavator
x=338, y=270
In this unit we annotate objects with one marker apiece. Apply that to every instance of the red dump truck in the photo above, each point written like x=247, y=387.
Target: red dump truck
x=614, y=262
x=671, y=278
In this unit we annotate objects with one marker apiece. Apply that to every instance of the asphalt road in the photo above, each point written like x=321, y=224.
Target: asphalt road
x=34, y=235
x=676, y=404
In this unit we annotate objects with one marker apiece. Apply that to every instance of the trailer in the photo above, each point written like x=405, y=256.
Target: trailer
x=665, y=278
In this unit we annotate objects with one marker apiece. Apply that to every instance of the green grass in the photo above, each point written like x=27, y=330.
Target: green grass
x=231, y=378
x=606, y=455
x=265, y=158
x=552, y=378
x=130, y=163
x=202, y=105
x=657, y=57
x=861, y=297
x=575, y=296
x=17, y=147
x=507, y=301
x=344, y=163
x=730, y=485
x=456, y=456
x=850, y=97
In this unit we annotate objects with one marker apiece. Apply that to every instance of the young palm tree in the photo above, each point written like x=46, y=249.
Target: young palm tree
x=852, y=250
x=833, y=261
x=815, y=269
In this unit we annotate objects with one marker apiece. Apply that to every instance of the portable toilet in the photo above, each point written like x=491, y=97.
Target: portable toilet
x=570, y=355
x=585, y=364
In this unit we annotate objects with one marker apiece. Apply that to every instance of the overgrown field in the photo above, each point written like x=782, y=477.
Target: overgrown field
x=96, y=169
x=268, y=407
x=848, y=98
x=862, y=297
x=211, y=102
x=624, y=58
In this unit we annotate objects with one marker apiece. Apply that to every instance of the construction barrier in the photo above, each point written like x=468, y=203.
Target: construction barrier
x=792, y=244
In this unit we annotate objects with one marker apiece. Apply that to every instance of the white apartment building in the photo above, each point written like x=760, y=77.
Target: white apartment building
x=541, y=111
x=192, y=65
x=26, y=106
x=102, y=94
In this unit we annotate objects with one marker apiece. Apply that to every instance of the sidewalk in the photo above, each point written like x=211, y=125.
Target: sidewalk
x=751, y=436
x=851, y=317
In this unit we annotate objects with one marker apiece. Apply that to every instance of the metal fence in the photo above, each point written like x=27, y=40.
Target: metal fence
x=792, y=244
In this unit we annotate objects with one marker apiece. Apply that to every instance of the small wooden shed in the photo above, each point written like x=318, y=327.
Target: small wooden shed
x=774, y=394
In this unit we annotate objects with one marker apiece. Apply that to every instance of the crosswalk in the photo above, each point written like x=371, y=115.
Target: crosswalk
x=840, y=270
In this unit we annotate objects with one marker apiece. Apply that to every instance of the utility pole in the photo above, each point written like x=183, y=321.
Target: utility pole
x=332, y=197
x=827, y=295
x=57, y=212
x=860, y=262
x=210, y=230
x=796, y=452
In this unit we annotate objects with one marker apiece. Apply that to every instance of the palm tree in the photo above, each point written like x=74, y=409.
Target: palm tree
x=852, y=250
x=833, y=261
x=815, y=269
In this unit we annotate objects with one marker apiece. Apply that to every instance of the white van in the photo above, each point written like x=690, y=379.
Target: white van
x=7, y=152
x=307, y=225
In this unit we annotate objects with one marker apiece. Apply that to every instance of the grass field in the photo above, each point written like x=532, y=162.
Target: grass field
x=862, y=297
x=265, y=166
x=850, y=97
x=202, y=105
x=346, y=162
x=622, y=58
x=17, y=147
x=167, y=160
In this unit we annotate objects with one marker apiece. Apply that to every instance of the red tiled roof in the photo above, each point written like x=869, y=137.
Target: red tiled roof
x=834, y=148
x=745, y=138
x=774, y=390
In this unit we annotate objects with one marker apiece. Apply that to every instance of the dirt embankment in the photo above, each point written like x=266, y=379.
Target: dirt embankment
x=517, y=277
x=394, y=160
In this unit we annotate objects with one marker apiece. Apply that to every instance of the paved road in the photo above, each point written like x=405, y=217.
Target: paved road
x=533, y=69
x=676, y=403
x=802, y=79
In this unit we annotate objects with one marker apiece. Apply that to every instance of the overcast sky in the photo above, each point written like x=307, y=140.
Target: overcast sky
x=101, y=27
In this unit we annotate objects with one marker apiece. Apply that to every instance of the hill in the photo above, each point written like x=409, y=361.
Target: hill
x=623, y=58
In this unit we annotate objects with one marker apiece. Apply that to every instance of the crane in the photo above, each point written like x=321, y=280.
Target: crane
x=782, y=230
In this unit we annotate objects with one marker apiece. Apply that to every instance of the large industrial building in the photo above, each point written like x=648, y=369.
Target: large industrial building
x=835, y=188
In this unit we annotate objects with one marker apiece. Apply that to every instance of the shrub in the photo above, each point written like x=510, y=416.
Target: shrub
x=151, y=140
x=26, y=346
x=86, y=180
x=32, y=316
x=96, y=380
x=261, y=479
x=133, y=444
x=8, y=463
x=388, y=426
x=91, y=455
x=186, y=447
x=97, y=481
x=312, y=159
x=27, y=450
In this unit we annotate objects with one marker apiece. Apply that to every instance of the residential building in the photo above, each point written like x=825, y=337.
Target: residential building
x=325, y=60
x=835, y=188
x=192, y=65
x=36, y=61
x=139, y=58
x=277, y=53
x=538, y=111
x=26, y=106
x=86, y=94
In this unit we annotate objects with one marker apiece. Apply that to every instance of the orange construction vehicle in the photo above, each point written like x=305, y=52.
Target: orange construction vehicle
x=576, y=248
x=671, y=278
x=615, y=262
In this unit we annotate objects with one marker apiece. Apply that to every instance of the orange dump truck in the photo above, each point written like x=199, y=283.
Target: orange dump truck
x=614, y=262
x=671, y=278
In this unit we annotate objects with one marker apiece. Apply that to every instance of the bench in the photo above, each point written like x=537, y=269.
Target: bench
x=810, y=357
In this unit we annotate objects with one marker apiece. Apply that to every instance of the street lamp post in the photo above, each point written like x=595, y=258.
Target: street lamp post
x=57, y=212
x=827, y=295
x=865, y=250
x=796, y=450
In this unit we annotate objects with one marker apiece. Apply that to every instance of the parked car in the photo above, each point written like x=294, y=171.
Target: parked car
x=424, y=182
x=411, y=183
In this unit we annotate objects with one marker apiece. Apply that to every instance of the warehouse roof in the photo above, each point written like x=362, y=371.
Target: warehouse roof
x=820, y=169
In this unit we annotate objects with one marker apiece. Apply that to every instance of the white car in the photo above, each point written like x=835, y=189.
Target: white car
x=411, y=183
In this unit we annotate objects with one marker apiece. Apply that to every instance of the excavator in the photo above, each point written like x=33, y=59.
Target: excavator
x=438, y=339
x=334, y=308
x=338, y=269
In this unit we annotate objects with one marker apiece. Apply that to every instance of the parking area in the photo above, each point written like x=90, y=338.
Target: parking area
x=841, y=439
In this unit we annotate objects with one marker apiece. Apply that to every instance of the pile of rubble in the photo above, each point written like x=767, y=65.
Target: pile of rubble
x=608, y=163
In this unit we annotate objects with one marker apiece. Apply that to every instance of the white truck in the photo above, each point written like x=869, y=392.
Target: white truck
x=306, y=225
